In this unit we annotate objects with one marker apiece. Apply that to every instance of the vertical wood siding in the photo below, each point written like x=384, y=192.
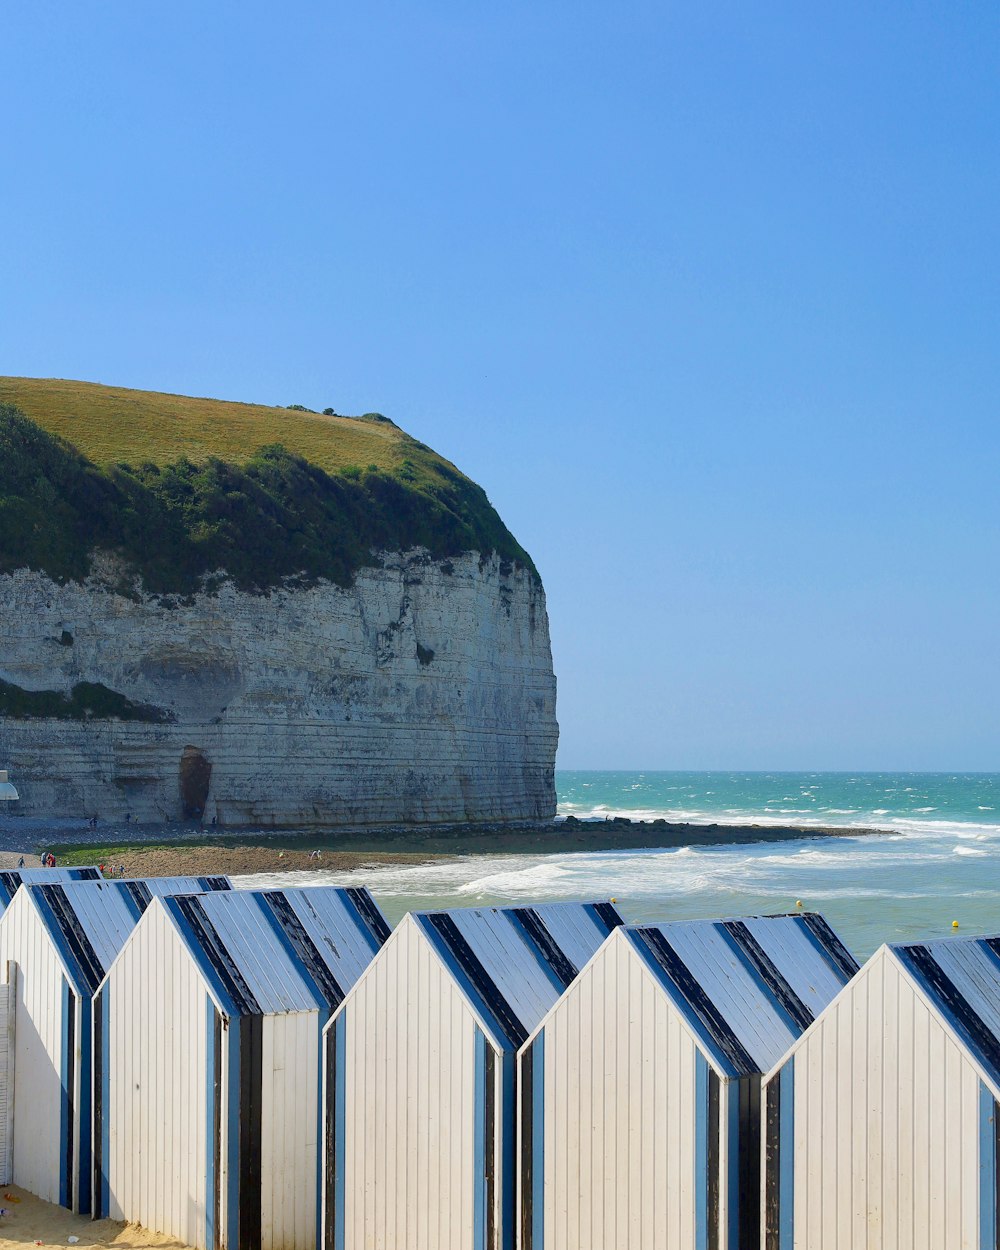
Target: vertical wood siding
x=158, y=1102
x=38, y=1063
x=620, y=1145
x=6, y=1081
x=886, y=1125
x=290, y=1131
x=407, y=1083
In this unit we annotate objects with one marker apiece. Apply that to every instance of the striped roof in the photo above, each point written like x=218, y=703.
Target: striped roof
x=10, y=880
x=89, y=921
x=961, y=977
x=748, y=987
x=266, y=952
x=513, y=963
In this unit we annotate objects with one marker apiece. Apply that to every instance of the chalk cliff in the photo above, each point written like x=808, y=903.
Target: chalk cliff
x=263, y=615
x=424, y=692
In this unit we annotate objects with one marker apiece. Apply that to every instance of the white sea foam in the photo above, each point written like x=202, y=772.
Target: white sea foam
x=908, y=884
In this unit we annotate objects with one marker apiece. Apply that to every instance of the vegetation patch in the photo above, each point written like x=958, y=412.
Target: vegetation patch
x=88, y=700
x=74, y=855
x=275, y=517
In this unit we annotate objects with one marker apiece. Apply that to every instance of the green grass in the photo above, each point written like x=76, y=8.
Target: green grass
x=73, y=855
x=180, y=488
x=112, y=425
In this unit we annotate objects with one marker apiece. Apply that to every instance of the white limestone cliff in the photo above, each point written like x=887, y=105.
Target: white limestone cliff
x=423, y=693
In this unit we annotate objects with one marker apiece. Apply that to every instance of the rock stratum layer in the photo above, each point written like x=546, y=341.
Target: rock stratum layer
x=422, y=693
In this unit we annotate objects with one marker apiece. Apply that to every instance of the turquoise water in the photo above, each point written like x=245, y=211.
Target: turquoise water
x=924, y=800
x=940, y=863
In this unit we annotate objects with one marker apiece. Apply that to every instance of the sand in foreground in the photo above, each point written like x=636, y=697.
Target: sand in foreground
x=29, y=1221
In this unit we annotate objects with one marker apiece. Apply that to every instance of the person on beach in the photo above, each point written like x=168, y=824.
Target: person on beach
x=20, y=862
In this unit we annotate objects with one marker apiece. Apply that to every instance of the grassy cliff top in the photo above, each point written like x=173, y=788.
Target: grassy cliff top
x=114, y=425
x=180, y=487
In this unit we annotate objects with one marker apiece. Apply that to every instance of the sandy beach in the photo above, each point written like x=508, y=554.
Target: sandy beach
x=30, y=1222
x=183, y=850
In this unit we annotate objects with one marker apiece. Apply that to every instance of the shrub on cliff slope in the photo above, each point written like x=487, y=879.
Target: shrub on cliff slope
x=274, y=517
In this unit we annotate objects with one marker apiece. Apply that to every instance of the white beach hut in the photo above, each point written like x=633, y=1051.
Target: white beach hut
x=639, y=1117
x=420, y=1073
x=882, y=1120
x=11, y=879
x=208, y=1037
x=56, y=942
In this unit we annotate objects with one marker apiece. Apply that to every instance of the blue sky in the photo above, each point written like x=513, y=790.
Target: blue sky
x=705, y=294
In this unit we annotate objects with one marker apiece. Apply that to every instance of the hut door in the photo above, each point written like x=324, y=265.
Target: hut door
x=7, y=1000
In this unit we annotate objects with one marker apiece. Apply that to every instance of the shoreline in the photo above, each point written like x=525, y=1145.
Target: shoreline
x=163, y=851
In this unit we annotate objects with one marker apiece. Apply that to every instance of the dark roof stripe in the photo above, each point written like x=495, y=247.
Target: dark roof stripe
x=9, y=881
x=950, y=998
x=607, y=914
x=756, y=959
x=87, y=874
x=304, y=948
x=138, y=892
x=715, y=1027
x=546, y=946
x=90, y=970
x=210, y=884
x=221, y=962
x=370, y=914
x=492, y=1001
x=829, y=945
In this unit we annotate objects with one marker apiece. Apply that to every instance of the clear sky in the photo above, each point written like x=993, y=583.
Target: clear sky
x=705, y=294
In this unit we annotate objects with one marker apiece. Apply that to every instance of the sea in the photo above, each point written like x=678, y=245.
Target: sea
x=937, y=861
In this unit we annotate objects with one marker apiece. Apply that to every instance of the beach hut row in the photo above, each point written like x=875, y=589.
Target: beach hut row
x=59, y=935
x=275, y=1069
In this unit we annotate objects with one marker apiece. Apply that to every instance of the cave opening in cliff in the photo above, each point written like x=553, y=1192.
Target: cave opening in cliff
x=195, y=778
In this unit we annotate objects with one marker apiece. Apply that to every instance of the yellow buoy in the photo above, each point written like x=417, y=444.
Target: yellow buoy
x=798, y=902
x=954, y=924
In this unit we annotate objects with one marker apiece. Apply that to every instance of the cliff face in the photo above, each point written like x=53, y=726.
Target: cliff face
x=423, y=692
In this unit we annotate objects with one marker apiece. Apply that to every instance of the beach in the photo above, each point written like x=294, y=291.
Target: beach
x=157, y=851
x=29, y=1221
x=885, y=856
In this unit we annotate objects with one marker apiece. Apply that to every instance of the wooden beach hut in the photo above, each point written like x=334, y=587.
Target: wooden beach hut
x=420, y=1073
x=208, y=1038
x=11, y=879
x=639, y=1117
x=57, y=940
x=882, y=1121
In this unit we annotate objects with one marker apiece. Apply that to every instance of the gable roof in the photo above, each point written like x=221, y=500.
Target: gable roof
x=335, y=933
x=961, y=977
x=15, y=877
x=747, y=987
x=267, y=952
x=513, y=963
x=89, y=921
